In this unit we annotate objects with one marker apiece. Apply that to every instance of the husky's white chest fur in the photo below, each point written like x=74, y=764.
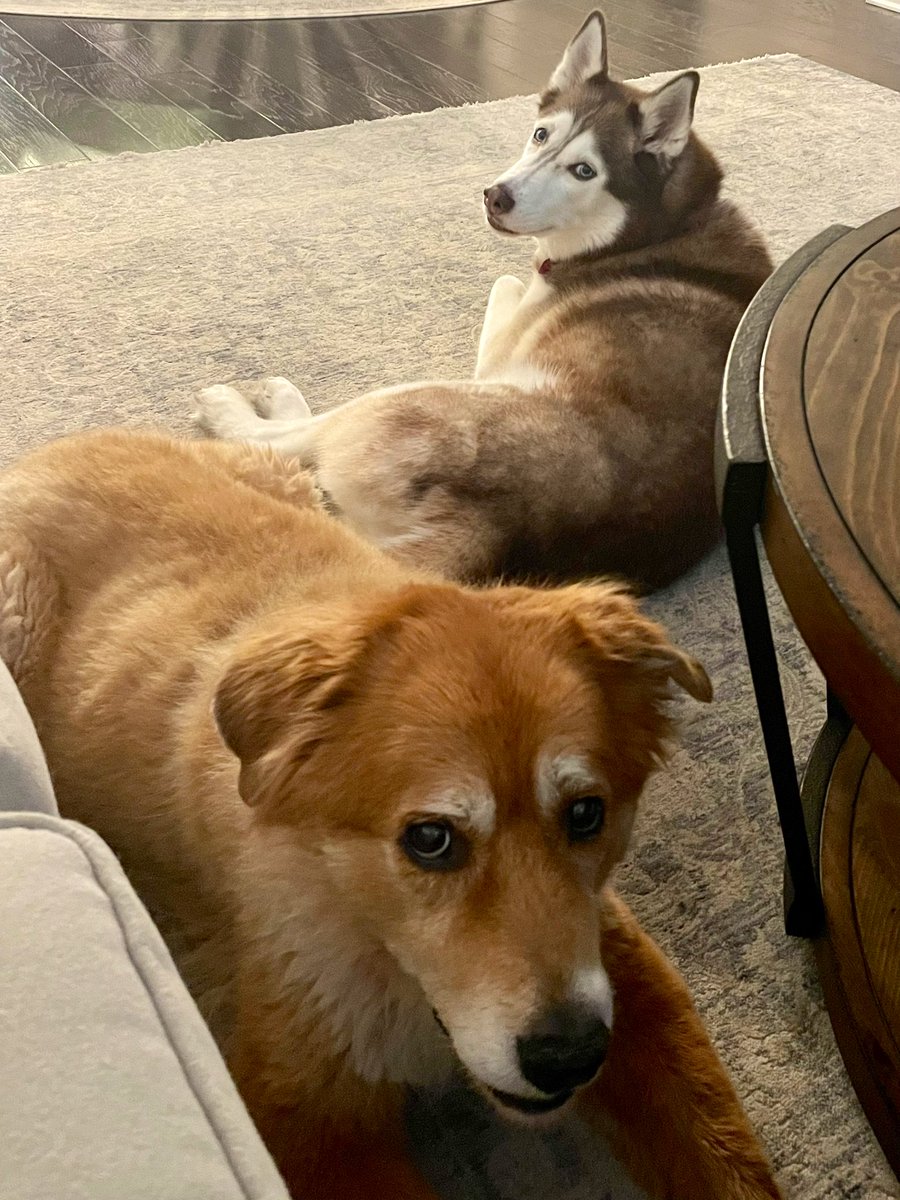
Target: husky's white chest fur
x=515, y=317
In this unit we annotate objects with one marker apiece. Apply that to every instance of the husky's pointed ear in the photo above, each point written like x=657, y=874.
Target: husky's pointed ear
x=585, y=55
x=665, y=116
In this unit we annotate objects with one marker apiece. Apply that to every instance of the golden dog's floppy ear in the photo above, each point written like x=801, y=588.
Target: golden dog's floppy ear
x=272, y=703
x=609, y=625
x=629, y=656
x=277, y=699
x=614, y=628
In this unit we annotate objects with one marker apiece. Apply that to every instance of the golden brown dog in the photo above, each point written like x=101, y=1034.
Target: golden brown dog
x=374, y=812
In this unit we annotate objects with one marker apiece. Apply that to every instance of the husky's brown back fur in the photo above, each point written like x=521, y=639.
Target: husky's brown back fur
x=638, y=338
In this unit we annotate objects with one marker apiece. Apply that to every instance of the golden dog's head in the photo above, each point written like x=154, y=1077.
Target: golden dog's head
x=465, y=765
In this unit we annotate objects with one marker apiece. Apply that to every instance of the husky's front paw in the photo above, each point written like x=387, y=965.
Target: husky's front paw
x=281, y=401
x=223, y=412
x=507, y=291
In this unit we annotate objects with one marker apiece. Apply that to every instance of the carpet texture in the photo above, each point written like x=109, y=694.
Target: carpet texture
x=224, y=10
x=356, y=257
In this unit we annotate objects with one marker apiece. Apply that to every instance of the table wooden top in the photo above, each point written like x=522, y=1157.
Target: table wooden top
x=851, y=386
x=831, y=415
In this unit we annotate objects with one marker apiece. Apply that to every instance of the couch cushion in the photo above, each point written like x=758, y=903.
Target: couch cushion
x=111, y=1087
x=24, y=779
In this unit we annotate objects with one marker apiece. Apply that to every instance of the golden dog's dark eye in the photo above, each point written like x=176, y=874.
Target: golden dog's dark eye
x=584, y=818
x=541, y=134
x=434, y=845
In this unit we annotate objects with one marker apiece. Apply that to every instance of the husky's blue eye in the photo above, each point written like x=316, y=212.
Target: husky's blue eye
x=434, y=845
x=541, y=134
x=583, y=171
x=584, y=818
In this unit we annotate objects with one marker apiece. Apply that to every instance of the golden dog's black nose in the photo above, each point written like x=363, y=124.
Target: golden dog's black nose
x=565, y=1049
x=498, y=199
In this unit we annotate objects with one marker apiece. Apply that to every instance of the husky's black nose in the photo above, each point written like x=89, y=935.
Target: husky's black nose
x=564, y=1049
x=498, y=199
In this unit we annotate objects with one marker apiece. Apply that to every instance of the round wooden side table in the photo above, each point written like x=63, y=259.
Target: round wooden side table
x=809, y=452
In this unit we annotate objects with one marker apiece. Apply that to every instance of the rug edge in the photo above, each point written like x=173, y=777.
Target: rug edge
x=224, y=146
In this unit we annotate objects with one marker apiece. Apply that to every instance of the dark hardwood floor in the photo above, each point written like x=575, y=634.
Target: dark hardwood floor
x=79, y=89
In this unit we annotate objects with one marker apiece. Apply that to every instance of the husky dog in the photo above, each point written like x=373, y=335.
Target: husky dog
x=584, y=443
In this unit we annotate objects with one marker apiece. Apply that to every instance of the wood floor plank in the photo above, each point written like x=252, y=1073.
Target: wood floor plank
x=677, y=24
x=148, y=111
x=29, y=140
x=405, y=65
x=7, y=166
x=478, y=59
x=99, y=33
x=518, y=50
x=876, y=27
x=530, y=57
x=224, y=53
x=206, y=46
x=227, y=115
x=55, y=40
x=305, y=46
x=864, y=63
x=544, y=32
x=691, y=15
x=237, y=37
x=205, y=100
x=292, y=110
x=294, y=93
x=315, y=83
x=669, y=52
x=760, y=37
x=849, y=32
x=523, y=20
x=452, y=42
x=645, y=48
x=97, y=132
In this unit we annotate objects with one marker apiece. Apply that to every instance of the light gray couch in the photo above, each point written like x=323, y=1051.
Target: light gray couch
x=111, y=1087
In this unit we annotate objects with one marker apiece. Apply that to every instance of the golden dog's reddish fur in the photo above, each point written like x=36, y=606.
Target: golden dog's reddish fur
x=255, y=707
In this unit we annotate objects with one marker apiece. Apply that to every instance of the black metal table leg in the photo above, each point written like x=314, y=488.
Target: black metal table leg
x=741, y=472
x=803, y=912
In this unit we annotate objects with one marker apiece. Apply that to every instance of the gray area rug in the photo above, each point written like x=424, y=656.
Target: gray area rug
x=224, y=10
x=356, y=257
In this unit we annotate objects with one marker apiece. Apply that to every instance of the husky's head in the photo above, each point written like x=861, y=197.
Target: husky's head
x=605, y=164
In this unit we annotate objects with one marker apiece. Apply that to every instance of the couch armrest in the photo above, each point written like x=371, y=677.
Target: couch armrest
x=24, y=779
x=110, y=1083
